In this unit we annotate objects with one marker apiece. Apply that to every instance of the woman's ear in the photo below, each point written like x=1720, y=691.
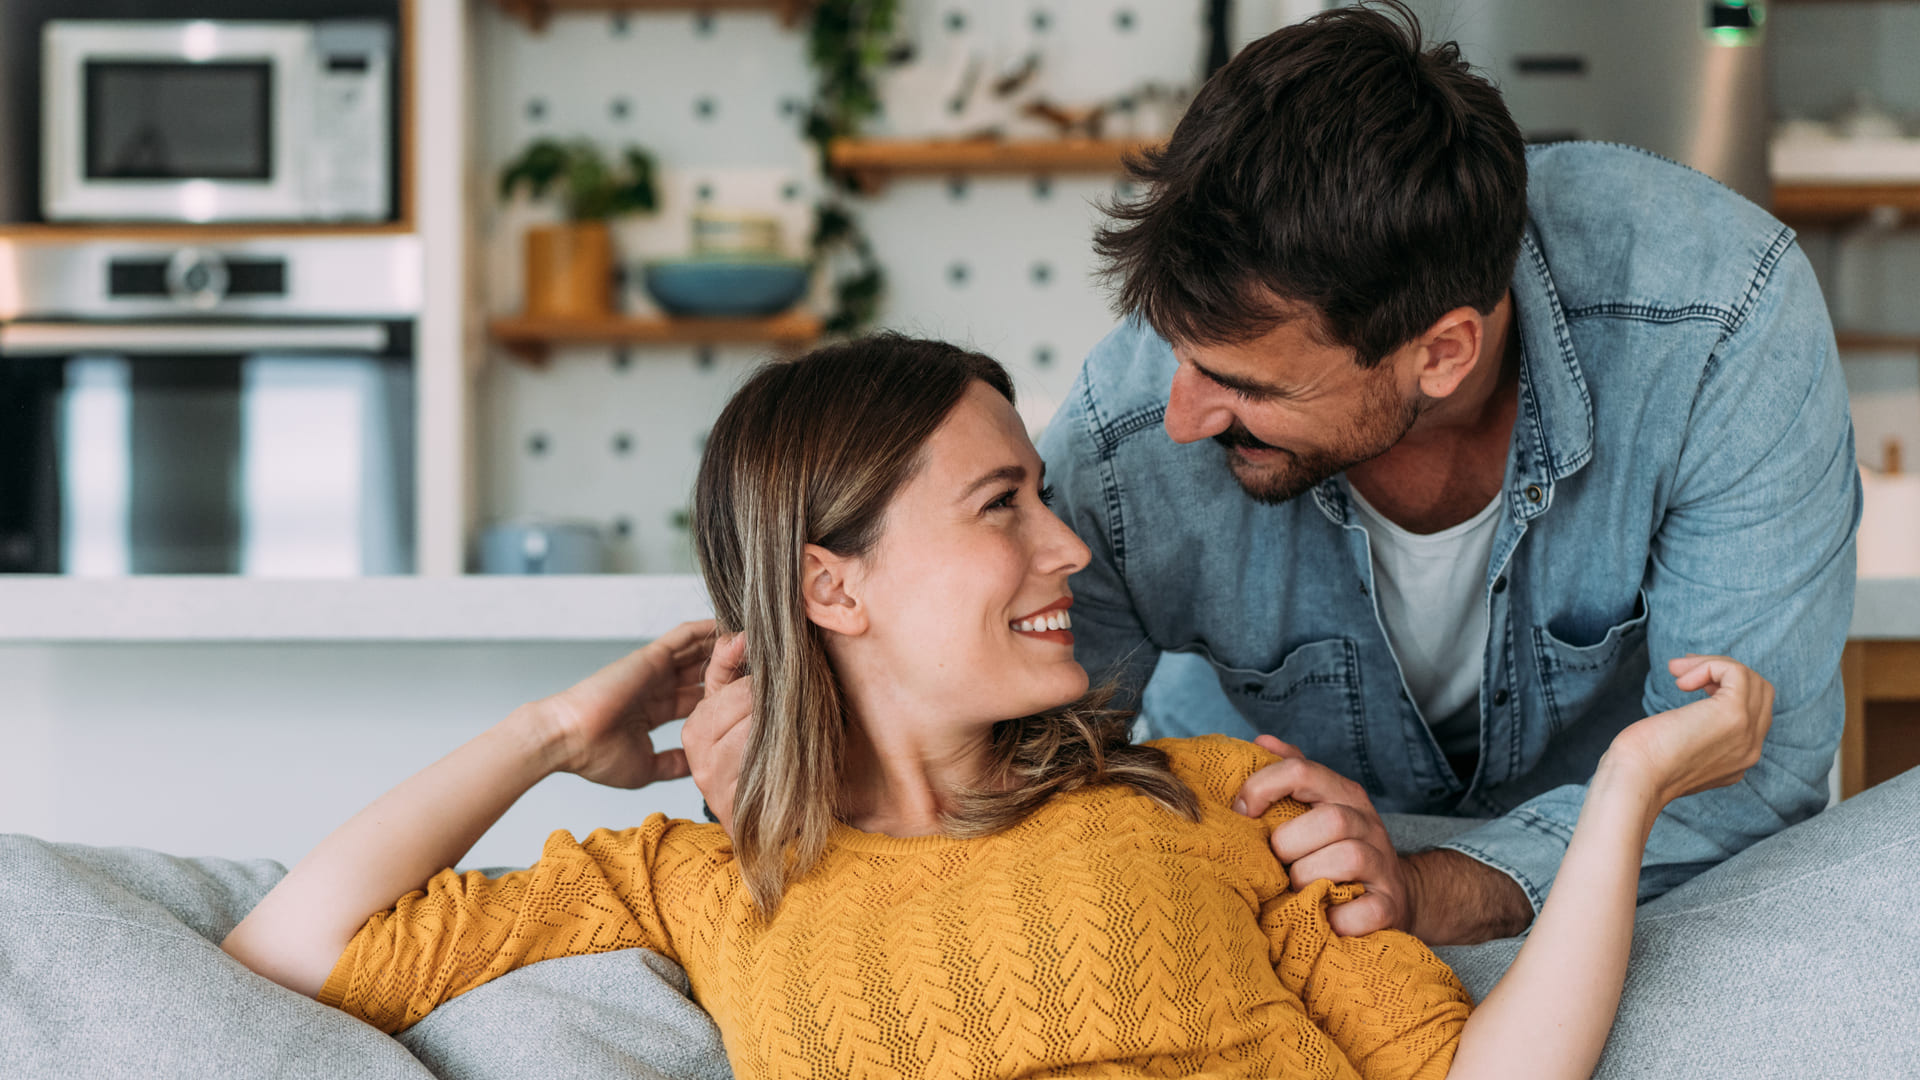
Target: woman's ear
x=824, y=581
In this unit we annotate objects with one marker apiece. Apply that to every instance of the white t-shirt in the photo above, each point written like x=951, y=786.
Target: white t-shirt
x=1429, y=590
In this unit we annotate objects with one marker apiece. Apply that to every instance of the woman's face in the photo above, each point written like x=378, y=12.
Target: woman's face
x=968, y=559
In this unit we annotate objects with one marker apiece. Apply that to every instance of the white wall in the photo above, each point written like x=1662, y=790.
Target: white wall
x=261, y=750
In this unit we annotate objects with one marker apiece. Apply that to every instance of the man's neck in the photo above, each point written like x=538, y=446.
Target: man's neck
x=1454, y=459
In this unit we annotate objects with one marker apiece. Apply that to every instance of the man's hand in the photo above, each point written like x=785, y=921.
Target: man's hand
x=715, y=736
x=1441, y=897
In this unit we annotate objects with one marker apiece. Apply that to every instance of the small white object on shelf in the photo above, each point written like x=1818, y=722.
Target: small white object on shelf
x=1800, y=154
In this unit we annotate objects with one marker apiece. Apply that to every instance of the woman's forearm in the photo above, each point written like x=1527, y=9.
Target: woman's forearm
x=1549, y=1015
x=297, y=932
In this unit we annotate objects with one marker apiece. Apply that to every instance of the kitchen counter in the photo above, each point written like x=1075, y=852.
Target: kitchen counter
x=476, y=608
x=1886, y=609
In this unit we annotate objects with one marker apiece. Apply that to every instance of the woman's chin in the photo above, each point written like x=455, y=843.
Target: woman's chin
x=1061, y=688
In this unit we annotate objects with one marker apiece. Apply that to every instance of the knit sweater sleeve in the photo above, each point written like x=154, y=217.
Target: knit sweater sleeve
x=1392, y=1007
x=614, y=890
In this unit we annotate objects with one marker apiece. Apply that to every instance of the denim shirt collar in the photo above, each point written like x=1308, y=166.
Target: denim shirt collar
x=1553, y=423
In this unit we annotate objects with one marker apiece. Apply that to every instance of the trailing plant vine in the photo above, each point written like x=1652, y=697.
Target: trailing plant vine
x=847, y=42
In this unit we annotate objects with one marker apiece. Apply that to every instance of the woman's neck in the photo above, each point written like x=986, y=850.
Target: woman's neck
x=901, y=776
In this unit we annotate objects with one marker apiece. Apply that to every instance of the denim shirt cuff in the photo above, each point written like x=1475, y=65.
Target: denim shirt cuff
x=1524, y=845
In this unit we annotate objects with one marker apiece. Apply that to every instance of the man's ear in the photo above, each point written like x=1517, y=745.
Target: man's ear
x=824, y=585
x=1449, y=350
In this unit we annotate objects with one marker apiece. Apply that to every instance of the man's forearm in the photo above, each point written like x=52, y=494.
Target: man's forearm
x=1459, y=900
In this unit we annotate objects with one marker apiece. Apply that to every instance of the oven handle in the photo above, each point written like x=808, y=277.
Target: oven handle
x=66, y=338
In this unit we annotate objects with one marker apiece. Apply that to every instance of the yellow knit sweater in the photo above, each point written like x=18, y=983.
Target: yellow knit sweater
x=1102, y=936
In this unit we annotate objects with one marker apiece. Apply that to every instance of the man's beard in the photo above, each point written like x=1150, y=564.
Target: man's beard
x=1384, y=419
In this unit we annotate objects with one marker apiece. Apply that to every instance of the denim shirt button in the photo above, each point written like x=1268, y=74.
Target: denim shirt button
x=1499, y=697
x=1534, y=493
x=1500, y=584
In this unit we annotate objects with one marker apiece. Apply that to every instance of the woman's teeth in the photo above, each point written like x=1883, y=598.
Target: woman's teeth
x=1057, y=620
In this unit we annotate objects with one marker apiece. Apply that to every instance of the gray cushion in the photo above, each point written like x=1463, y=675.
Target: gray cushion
x=110, y=966
x=1798, y=957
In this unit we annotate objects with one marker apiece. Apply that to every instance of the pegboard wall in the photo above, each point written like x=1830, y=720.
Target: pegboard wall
x=1003, y=264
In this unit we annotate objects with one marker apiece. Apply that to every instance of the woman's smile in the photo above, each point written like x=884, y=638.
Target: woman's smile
x=1050, y=623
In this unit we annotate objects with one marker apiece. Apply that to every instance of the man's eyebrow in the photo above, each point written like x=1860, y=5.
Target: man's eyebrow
x=1243, y=385
x=1011, y=474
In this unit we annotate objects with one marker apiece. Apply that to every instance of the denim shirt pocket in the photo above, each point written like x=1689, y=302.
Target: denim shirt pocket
x=1575, y=678
x=1312, y=700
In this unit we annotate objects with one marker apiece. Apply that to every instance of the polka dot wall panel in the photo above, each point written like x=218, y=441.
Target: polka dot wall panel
x=1001, y=263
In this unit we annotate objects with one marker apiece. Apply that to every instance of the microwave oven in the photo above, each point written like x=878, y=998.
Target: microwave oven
x=210, y=121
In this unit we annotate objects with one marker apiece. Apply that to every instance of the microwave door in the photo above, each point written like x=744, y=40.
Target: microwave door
x=174, y=121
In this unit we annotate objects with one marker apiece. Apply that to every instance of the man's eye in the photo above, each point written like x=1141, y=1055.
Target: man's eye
x=1243, y=393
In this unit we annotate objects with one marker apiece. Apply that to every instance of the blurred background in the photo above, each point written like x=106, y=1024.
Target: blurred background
x=356, y=355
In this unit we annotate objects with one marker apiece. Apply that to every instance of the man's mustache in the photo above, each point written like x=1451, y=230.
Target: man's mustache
x=1237, y=437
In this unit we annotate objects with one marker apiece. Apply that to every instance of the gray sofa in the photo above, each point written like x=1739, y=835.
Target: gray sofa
x=1799, y=956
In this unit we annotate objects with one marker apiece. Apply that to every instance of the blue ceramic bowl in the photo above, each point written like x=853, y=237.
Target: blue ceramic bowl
x=716, y=287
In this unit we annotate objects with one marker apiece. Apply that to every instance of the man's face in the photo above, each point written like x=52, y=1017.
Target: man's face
x=1289, y=411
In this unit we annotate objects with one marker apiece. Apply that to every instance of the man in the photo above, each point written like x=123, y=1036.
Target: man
x=1428, y=451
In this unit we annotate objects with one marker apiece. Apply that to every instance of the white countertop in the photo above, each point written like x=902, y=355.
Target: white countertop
x=599, y=607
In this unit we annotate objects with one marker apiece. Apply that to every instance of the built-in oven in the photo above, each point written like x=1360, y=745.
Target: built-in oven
x=235, y=408
x=206, y=120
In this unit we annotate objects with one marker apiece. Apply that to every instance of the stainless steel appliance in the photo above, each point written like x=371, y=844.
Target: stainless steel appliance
x=1683, y=78
x=238, y=408
x=208, y=120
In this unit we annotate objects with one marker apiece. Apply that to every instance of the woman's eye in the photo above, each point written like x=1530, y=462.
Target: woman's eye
x=1005, y=501
x=1046, y=495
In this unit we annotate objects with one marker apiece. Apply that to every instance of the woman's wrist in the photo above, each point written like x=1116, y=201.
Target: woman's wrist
x=1627, y=784
x=546, y=740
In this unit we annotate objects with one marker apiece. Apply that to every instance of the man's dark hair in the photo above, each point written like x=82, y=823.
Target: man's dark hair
x=1335, y=164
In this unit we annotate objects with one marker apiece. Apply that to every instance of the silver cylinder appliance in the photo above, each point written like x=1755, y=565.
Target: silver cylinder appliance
x=1685, y=79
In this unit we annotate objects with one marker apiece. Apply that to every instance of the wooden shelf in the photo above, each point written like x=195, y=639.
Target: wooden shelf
x=535, y=13
x=173, y=233
x=872, y=162
x=1839, y=204
x=532, y=338
x=1891, y=342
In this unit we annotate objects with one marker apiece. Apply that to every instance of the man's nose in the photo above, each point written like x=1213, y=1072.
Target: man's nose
x=1193, y=412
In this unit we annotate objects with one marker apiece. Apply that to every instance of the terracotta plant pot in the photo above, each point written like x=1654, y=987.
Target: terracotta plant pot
x=570, y=271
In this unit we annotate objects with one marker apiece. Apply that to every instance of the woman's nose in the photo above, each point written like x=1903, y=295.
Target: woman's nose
x=1065, y=551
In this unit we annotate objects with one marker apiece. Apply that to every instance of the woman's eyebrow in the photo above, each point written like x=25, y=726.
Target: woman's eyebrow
x=1011, y=474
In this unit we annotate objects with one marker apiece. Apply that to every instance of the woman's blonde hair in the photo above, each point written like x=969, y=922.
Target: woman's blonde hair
x=812, y=451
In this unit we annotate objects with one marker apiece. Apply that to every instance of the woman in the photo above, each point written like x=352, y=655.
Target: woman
x=947, y=859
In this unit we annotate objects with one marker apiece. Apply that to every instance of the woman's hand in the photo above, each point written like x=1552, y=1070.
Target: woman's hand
x=716, y=733
x=605, y=722
x=1704, y=744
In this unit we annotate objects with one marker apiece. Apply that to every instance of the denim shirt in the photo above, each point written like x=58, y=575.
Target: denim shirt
x=1681, y=479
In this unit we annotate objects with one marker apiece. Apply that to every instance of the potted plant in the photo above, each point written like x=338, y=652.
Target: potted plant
x=570, y=266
